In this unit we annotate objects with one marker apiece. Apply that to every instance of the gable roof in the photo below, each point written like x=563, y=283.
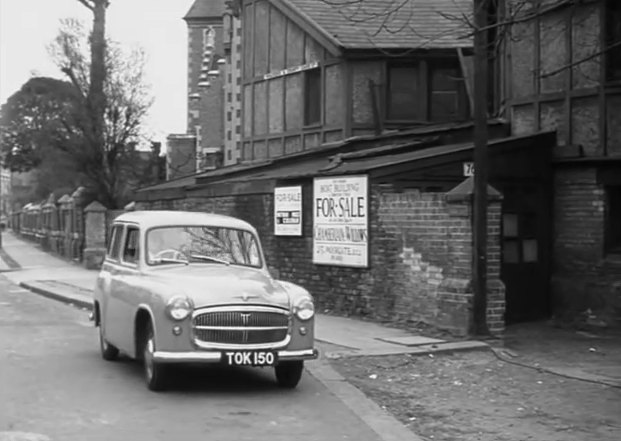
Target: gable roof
x=390, y=24
x=202, y=9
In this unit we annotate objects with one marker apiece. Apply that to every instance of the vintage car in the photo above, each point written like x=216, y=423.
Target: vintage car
x=186, y=287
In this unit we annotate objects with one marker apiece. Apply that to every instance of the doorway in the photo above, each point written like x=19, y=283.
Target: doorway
x=525, y=252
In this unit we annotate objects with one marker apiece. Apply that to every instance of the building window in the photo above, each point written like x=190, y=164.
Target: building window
x=426, y=91
x=613, y=219
x=312, y=97
x=444, y=100
x=403, y=93
x=613, y=40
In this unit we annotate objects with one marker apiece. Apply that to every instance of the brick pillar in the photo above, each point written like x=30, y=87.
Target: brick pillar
x=495, y=287
x=455, y=292
x=77, y=240
x=455, y=297
x=95, y=235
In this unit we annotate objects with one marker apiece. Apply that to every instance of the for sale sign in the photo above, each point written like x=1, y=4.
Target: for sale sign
x=288, y=211
x=341, y=221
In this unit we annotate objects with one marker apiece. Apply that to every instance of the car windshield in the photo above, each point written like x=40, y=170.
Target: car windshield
x=208, y=244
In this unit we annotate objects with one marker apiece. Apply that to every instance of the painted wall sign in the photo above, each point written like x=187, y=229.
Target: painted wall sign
x=290, y=70
x=288, y=211
x=341, y=221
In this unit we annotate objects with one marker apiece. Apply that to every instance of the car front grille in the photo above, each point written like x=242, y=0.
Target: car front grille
x=246, y=326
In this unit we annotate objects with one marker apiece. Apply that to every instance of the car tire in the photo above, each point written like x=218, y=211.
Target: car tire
x=108, y=352
x=154, y=373
x=289, y=373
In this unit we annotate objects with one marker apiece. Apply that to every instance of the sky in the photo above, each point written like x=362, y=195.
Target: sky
x=28, y=26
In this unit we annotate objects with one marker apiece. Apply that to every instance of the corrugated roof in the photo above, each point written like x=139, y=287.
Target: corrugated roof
x=206, y=9
x=374, y=159
x=391, y=24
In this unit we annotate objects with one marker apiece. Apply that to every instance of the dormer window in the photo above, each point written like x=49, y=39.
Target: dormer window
x=312, y=97
x=426, y=91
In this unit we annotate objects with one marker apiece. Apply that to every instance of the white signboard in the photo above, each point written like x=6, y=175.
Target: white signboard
x=288, y=211
x=468, y=168
x=341, y=221
x=290, y=70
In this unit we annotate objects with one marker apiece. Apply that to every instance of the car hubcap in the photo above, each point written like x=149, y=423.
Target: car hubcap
x=102, y=341
x=148, y=358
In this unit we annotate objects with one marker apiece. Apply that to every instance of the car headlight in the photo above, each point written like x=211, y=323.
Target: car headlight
x=304, y=309
x=179, y=308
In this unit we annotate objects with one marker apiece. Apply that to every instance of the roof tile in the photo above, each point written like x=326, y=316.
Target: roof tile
x=206, y=9
x=391, y=24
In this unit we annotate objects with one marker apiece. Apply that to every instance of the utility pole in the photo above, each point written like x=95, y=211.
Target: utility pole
x=480, y=92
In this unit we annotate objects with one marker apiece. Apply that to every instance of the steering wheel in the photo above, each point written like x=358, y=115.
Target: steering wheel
x=173, y=254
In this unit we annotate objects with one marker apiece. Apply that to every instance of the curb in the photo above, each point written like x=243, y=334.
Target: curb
x=386, y=426
x=436, y=348
x=54, y=295
x=10, y=262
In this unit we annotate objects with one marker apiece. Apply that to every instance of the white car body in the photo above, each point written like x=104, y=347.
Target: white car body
x=173, y=305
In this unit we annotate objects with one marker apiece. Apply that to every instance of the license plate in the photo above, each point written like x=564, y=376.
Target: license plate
x=249, y=358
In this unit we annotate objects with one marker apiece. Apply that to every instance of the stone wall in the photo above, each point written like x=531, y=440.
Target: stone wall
x=420, y=262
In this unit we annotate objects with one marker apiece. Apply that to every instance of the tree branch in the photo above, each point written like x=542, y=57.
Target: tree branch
x=88, y=5
x=69, y=72
x=582, y=60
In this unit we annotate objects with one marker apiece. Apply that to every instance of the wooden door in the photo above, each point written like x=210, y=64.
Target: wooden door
x=525, y=244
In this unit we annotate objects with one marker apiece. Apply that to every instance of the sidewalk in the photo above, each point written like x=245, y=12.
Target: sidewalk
x=51, y=276
x=581, y=355
x=578, y=355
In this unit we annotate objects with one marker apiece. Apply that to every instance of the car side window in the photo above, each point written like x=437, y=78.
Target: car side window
x=131, y=249
x=114, y=243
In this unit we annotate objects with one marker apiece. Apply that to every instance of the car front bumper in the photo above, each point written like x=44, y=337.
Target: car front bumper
x=216, y=356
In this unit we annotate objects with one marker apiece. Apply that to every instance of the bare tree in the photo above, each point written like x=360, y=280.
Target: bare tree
x=104, y=148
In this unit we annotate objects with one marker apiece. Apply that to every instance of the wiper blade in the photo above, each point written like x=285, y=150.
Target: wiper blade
x=168, y=260
x=210, y=258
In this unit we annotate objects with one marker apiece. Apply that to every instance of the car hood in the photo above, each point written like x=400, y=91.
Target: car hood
x=210, y=285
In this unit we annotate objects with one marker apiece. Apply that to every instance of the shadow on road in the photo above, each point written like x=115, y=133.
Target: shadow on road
x=211, y=378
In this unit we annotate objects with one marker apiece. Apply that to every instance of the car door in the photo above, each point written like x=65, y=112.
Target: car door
x=104, y=281
x=123, y=292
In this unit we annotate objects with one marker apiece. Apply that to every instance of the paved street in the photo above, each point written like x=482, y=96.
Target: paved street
x=53, y=383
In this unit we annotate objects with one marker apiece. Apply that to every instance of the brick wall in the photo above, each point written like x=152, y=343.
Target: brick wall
x=205, y=107
x=583, y=276
x=419, y=253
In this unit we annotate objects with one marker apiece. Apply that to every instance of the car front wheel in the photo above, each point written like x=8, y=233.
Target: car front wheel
x=155, y=373
x=108, y=351
x=288, y=373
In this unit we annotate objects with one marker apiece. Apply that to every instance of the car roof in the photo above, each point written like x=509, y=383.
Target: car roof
x=160, y=218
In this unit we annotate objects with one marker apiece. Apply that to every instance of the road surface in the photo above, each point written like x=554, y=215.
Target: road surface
x=54, y=386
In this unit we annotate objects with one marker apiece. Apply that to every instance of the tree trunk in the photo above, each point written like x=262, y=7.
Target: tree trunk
x=96, y=94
